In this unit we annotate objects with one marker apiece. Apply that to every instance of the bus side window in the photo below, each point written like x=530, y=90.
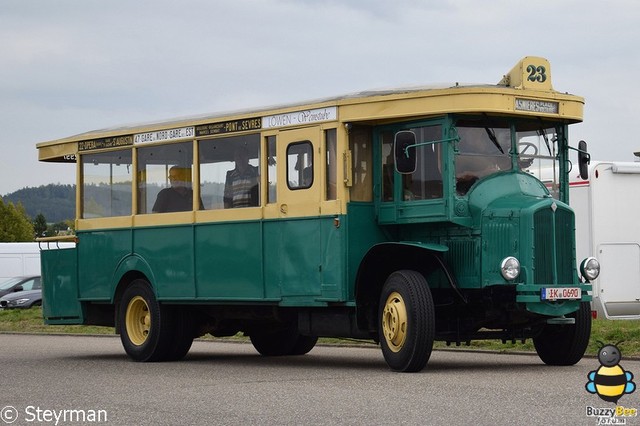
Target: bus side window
x=165, y=178
x=229, y=172
x=426, y=182
x=332, y=168
x=106, y=184
x=272, y=182
x=300, y=165
x=388, y=166
x=361, y=148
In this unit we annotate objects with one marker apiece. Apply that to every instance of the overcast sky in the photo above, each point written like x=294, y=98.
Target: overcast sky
x=67, y=67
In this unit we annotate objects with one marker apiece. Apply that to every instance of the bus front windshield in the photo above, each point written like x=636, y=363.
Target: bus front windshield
x=483, y=149
x=538, y=154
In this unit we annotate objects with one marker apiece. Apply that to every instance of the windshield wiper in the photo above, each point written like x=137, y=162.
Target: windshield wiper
x=493, y=138
x=542, y=133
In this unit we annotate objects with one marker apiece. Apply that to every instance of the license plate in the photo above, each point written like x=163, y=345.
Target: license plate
x=561, y=293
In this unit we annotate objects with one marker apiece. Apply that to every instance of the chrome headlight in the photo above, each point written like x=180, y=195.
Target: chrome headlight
x=510, y=268
x=590, y=268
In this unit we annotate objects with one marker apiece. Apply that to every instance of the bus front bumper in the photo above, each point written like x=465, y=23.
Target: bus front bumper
x=553, y=300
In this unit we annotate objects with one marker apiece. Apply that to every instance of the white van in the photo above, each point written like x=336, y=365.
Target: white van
x=20, y=259
x=607, y=208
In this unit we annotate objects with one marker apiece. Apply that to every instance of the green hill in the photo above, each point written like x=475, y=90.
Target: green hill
x=56, y=202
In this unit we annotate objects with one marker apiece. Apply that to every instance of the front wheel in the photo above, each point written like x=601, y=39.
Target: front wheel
x=565, y=344
x=151, y=331
x=406, y=321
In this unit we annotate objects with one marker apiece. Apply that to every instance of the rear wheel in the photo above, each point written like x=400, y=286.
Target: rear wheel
x=151, y=331
x=407, y=321
x=565, y=344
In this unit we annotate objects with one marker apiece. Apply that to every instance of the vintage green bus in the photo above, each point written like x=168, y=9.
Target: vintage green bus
x=400, y=216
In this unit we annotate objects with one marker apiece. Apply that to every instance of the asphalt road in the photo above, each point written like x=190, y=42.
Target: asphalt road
x=57, y=379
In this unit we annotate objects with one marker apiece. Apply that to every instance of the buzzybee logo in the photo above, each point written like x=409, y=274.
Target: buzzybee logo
x=610, y=381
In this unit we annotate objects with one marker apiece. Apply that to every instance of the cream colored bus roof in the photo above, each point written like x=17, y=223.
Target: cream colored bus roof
x=380, y=105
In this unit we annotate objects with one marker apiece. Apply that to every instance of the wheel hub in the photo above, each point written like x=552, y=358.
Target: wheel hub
x=138, y=320
x=394, y=322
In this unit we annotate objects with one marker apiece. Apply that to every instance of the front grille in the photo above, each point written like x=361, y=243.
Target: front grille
x=553, y=246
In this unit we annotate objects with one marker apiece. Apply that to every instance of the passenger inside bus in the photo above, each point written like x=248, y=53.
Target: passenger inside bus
x=241, y=184
x=179, y=196
x=307, y=173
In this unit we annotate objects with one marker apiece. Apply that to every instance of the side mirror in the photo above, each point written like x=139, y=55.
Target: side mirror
x=583, y=160
x=404, y=151
x=18, y=288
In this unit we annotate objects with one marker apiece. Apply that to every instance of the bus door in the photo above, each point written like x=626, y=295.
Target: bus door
x=299, y=191
x=292, y=236
x=419, y=195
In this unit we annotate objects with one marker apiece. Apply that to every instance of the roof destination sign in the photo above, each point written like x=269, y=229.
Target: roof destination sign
x=297, y=118
x=536, y=106
x=164, y=135
x=103, y=143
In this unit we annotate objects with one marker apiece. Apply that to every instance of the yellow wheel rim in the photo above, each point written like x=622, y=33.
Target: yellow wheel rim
x=394, y=322
x=138, y=321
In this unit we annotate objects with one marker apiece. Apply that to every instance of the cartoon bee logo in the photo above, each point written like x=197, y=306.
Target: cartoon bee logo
x=610, y=381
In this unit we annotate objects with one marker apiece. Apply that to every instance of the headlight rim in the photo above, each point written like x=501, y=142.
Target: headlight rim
x=585, y=271
x=507, y=268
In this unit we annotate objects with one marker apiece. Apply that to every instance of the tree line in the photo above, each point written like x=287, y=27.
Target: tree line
x=32, y=212
x=56, y=202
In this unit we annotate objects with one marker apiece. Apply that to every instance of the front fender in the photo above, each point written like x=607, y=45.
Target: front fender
x=380, y=261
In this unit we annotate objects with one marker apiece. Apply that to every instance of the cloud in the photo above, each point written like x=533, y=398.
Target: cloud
x=71, y=66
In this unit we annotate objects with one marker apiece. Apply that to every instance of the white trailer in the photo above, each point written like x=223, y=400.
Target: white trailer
x=607, y=209
x=18, y=259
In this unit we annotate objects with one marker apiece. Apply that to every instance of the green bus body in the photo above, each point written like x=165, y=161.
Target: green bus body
x=352, y=272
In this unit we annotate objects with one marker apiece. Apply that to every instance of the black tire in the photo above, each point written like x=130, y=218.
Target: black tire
x=280, y=342
x=406, y=321
x=183, y=334
x=151, y=331
x=304, y=345
x=565, y=344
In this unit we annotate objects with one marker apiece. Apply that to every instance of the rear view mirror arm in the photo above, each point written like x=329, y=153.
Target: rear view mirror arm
x=406, y=148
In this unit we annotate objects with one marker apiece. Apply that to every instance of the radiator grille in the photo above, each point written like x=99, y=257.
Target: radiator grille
x=553, y=266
